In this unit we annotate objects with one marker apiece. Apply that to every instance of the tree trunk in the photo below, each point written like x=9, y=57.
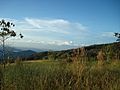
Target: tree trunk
x=3, y=46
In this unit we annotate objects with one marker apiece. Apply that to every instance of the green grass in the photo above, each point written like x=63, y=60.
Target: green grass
x=53, y=75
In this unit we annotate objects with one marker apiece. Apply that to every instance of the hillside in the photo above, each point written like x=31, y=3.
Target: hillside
x=91, y=51
x=17, y=53
x=23, y=54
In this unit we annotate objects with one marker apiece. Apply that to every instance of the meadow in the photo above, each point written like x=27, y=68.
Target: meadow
x=59, y=75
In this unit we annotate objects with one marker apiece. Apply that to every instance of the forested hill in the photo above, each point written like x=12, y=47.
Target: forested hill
x=91, y=52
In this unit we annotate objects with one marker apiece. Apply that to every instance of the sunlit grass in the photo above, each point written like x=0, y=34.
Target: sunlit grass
x=37, y=61
x=52, y=75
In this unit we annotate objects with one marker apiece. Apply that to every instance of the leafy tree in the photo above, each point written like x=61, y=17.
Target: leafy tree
x=118, y=36
x=51, y=55
x=6, y=33
x=109, y=52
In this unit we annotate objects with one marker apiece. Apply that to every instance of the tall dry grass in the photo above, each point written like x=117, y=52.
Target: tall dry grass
x=61, y=76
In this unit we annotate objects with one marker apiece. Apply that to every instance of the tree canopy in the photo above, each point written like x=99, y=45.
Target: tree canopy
x=118, y=36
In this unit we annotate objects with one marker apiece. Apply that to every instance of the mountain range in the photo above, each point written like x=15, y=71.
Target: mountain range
x=91, y=51
x=34, y=54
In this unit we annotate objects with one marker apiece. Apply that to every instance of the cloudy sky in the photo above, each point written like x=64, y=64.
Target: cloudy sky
x=61, y=24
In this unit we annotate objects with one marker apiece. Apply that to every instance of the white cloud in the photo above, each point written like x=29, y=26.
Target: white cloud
x=64, y=43
x=107, y=34
x=47, y=25
x=55, y=25
x=55, y=42
x=48, y=31
x=56, y=33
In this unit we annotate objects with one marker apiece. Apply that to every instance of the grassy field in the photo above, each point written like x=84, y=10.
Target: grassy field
x=54, y=75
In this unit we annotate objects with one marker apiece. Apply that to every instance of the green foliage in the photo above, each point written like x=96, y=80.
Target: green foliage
x=49, y=75
x=118, y=36
x=6, y=29
x=111, y=50
x=51, y=55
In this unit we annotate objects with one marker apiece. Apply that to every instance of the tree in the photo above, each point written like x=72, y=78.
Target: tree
x=109, y=52
x=6, y=33
x=51, y=55
x=118, y=36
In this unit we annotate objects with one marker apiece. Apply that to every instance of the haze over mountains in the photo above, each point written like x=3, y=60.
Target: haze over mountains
x=16, y=52
x=33, y=53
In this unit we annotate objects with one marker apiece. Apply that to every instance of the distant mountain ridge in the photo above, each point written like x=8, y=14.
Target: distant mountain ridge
x=32, y=49
x=23, y=54
x=91, y=51
x=15, y=52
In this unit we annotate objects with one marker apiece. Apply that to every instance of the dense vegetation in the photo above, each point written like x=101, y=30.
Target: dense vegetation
x=95, y=67
x=52, y=75
x=111, y=50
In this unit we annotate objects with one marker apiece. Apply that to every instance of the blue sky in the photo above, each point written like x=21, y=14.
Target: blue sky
x=62, y=24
